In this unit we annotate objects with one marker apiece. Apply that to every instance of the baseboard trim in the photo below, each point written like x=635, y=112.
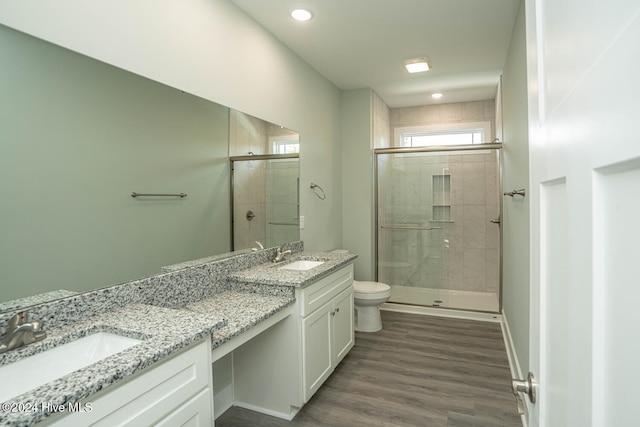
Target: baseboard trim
x=223, y=400
x=281, y=415
x=442, y=312
x=514, y=364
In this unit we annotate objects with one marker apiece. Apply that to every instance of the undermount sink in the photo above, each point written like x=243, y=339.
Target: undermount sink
x=39, y=369
x=301, y=265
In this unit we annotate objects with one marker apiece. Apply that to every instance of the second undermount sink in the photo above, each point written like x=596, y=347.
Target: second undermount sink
x=39, y=369
x=301, y=265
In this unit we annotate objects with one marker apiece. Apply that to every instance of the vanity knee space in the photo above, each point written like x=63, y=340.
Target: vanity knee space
x=278, y=370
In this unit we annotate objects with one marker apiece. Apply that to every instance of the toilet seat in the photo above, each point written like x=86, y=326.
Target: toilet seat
x=370, y=290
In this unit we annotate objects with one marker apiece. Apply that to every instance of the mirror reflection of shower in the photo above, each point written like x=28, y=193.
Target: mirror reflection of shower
x=265, y=182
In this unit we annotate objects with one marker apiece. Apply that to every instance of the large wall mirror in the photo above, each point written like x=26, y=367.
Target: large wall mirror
x=78, y=138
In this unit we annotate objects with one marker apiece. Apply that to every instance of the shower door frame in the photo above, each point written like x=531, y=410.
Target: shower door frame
x=244, y=158
x=430, y=149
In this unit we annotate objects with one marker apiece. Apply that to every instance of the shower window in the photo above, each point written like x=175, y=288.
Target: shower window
x=287, y=144
x=443, y=134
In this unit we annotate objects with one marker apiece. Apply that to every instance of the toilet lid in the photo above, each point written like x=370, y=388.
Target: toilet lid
x=370, y=287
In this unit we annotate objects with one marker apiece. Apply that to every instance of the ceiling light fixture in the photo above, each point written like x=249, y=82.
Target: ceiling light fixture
x=301, y=15
x=418, y=65
x=437, y=95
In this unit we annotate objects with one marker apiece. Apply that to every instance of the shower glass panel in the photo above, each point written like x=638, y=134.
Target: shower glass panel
x=436, y=244
x=265, y=202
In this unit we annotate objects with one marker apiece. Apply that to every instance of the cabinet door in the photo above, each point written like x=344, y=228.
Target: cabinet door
x=343, y=335
x=316, y=349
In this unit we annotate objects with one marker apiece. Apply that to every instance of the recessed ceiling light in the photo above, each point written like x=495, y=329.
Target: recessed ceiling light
x=437, y=95
x=417, y=65
x=301, y=15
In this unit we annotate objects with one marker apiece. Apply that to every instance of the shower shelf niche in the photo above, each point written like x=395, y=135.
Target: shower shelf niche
x=441, y=197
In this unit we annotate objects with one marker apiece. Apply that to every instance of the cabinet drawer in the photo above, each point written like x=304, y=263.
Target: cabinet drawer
x=151, y=395
x=197, y=412
x=315, y=296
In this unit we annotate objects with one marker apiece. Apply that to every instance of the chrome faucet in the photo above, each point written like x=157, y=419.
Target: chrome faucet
x=280, y=255
x=20, y=332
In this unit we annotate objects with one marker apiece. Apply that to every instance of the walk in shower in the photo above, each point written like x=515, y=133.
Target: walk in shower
x=266, y=200
x=438, y=225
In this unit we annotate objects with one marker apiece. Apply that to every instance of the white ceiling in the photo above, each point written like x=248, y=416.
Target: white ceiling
x=363, y=43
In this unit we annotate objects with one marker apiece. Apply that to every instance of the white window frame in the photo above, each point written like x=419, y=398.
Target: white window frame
x=275, y=140
x=485, y=127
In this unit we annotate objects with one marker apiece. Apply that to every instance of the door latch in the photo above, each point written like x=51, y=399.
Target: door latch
x=527, y=387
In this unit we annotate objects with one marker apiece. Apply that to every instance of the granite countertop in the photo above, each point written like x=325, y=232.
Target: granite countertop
x=272, y=274
x=163, y=331
x=267, y=253
x=19, y=304
x=242, y=311
x=244, y=302
x=206, y=260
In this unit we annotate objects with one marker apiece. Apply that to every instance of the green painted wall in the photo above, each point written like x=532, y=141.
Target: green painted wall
x=515, y=220
x=357, y=171
x=212, y=49
x=77, y=136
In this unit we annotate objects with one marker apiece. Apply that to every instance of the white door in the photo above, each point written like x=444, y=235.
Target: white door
x=584, y=111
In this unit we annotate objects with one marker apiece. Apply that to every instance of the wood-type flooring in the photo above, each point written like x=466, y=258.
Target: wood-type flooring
x=418, y=371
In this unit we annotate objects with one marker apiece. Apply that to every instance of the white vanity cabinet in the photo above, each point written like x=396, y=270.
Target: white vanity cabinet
x=278, y=371
x=172, y=392
x=326, y=312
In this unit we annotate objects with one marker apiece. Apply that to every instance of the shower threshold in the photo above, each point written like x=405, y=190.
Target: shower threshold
x=429, y=297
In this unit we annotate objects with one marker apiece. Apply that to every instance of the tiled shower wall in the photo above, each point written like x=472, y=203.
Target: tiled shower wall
x=472, y=258
x=282, y=201
x=248, y=134
x=381, y=123
x=249, y=194
x=476, y=111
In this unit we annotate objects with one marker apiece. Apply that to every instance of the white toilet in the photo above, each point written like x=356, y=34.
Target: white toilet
x=367, y=297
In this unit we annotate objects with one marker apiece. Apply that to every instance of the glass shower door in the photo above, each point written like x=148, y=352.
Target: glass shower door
x=410, y=256
x=436, y=245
